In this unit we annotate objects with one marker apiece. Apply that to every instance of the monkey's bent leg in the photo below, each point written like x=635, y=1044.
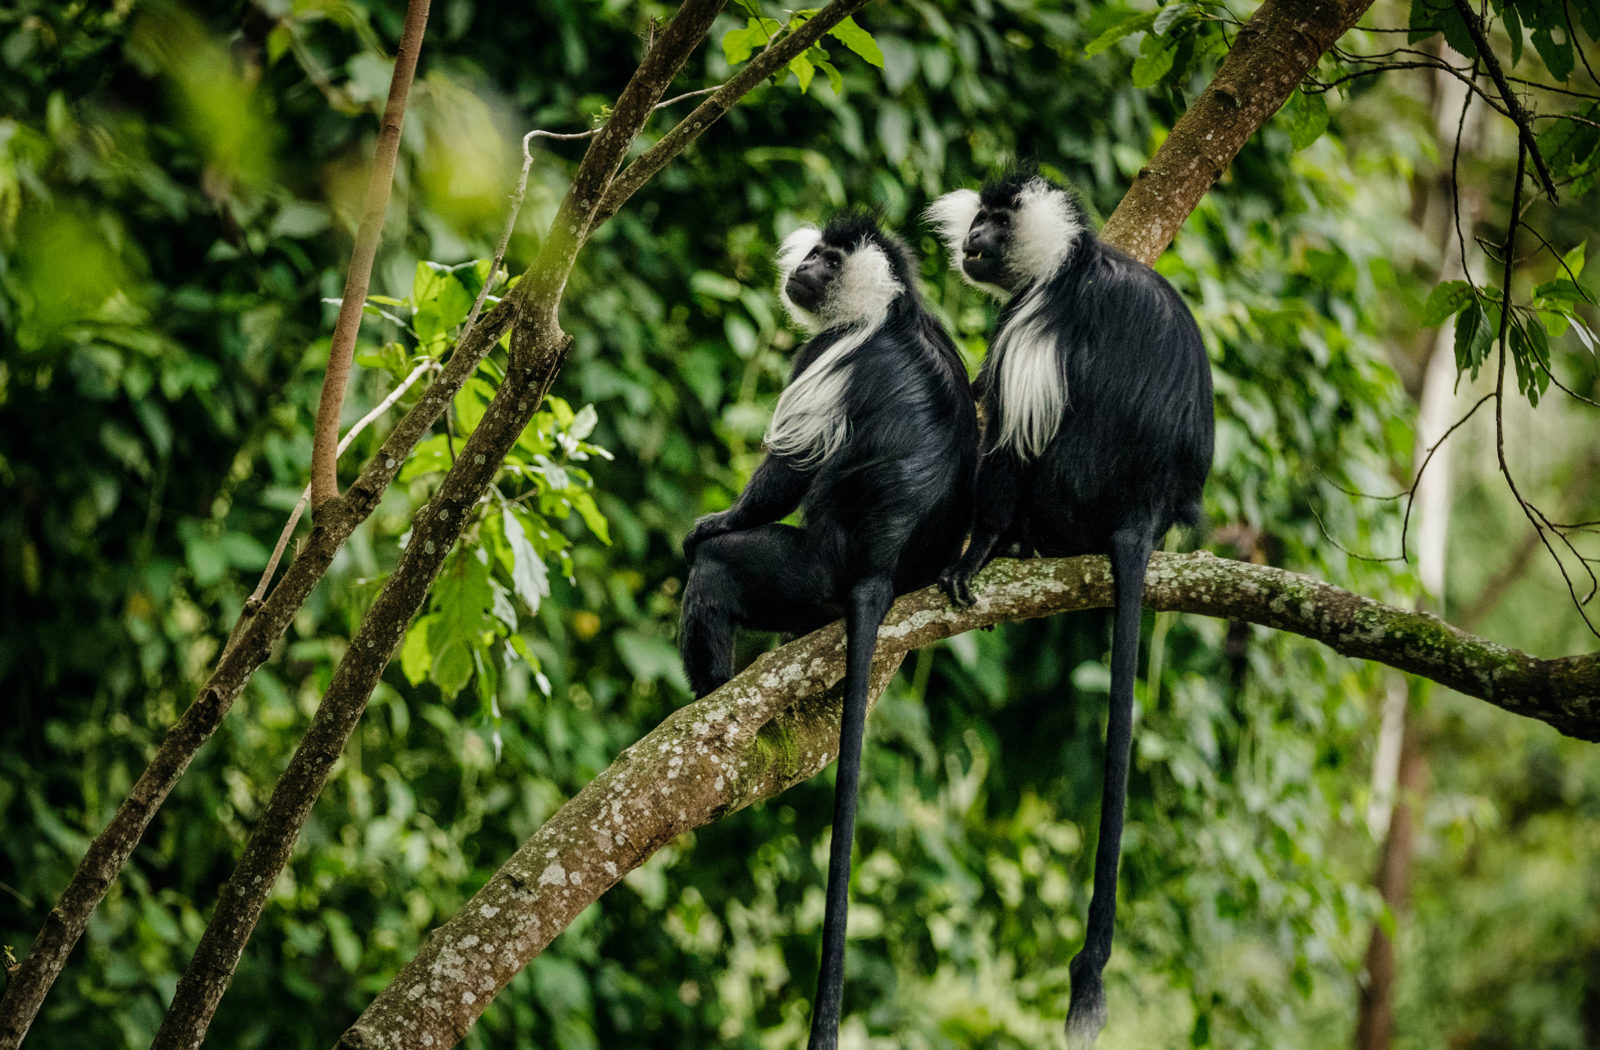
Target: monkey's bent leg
x=869, y=602
x=765, y=579
x=1000, y=481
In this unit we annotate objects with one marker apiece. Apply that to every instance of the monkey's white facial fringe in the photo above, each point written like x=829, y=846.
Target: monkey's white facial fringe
x=791, y=253
x=951, y=217
x=1033, y=392
x=1046, y=226
x=810, y=422
x=863, y=291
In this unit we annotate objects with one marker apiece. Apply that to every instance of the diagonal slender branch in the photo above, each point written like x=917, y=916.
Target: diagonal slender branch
x=777, y=723
x=538, y=348
x=774, y=57
x=1514, y=107
x=341, y=352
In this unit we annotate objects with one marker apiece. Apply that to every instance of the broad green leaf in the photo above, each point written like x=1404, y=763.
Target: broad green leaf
x=803, y=71
x=1172, y=14
x=1445, y=301
x=1126, y=27
x=739, y=44
x=1557, y=54
x=1572, y=262
x=858, y=40
x=835, y=78
x=529, y=576
x=1154, y=61
x=415, y=656
x=452, y=668
x=1513, y=27
x=1307, y=117
x=584, y=504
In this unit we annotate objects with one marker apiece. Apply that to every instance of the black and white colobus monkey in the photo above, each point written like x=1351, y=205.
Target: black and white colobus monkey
x=876, y=438
x=1097, y=400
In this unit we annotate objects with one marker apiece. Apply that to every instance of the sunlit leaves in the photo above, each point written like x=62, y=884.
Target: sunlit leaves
x=758, y=32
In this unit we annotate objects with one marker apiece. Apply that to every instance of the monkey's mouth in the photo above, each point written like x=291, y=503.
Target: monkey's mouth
x=973, y=253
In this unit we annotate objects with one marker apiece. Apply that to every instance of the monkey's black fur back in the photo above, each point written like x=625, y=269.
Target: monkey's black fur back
x=1098, y=439
x=1136, y=439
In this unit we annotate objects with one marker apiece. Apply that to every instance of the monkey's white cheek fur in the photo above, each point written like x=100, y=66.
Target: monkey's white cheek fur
x=951, y=217
x=791, y=253
x=863, y=291
x=1045, y=228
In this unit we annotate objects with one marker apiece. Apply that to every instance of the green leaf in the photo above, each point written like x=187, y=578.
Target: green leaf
x=1154, y=61
x=1472, y=339
x=1446, y=300
x=1513, y=25
x=803, y=71
x=1559, y=290
x=1172, y=14
x=1557, y=55
x=858, y=40
x=835, y=78
x=452, y=669
x=739, y=44
x=415, y=656
x=1572, y=262
x=1307, y=116
x=584, y=504
x=1125, y=28
x=530, y=579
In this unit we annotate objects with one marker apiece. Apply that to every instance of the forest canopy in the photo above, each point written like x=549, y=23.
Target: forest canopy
x=1381, y=217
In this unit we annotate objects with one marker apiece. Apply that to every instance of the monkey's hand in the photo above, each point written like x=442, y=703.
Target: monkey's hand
x=956, y=582
x=709, y=527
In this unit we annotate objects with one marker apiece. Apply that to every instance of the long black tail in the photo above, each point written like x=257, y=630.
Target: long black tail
x=1130, y=556
x=869, y=601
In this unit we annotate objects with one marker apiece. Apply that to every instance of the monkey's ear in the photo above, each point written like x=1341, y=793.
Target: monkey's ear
x=951, y=217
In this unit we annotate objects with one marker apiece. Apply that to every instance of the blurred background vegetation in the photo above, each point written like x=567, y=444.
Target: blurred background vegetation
x=178, y=190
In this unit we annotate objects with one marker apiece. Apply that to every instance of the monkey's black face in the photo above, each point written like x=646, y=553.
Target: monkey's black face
x=984, y=251
x=808, y=285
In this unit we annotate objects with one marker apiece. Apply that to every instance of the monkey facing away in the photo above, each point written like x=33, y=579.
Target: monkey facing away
x=1097, y=399
x=875, y=438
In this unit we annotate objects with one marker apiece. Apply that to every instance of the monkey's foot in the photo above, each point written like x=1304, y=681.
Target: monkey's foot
x=956, y=582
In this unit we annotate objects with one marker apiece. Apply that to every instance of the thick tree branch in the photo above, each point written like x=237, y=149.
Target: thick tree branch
x=341, y=352
x=749, y=740
x=1274, y=51
x=778, y=722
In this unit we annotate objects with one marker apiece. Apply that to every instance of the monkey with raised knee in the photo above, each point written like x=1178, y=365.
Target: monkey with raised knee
x=875, y=441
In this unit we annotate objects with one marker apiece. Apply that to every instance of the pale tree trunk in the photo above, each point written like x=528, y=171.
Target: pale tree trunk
x=1398, y=761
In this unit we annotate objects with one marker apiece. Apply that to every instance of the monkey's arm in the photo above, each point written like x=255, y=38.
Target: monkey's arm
x=774, y=491
x=1001, y=476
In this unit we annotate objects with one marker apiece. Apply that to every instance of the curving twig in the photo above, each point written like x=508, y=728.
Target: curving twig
x=1514, y=108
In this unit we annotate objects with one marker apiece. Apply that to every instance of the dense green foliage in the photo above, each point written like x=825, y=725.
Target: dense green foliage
x=177, y=192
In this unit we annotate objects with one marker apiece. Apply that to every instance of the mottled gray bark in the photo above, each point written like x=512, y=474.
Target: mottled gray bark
x=778, y=722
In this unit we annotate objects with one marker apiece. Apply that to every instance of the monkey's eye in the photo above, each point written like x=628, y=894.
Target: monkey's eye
x=833, y=260
x=1002, y=218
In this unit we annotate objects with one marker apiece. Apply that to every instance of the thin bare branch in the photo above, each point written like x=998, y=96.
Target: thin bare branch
x=341, y=352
